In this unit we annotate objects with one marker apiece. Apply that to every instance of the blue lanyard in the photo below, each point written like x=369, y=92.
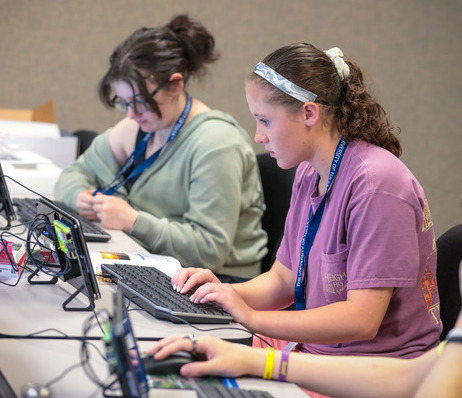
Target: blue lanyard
x=140, y=148
x=311, y=228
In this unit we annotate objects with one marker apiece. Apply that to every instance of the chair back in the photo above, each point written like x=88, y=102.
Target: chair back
x=277, y=190
x=449, y=256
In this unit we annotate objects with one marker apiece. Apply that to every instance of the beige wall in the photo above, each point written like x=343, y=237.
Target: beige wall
x=411, y=50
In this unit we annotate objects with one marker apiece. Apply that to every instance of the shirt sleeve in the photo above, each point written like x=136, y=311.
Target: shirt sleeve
x=382, y=240
x=96, y=167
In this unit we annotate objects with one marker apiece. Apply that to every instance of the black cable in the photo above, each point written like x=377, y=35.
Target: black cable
x=12, y=261
x=211, y=329
x=63, y=374
x=25, y=187
x=85, y=354
x=41, y=224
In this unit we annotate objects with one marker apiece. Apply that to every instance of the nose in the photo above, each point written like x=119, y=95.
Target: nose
x=260, y=138
x=131, y=113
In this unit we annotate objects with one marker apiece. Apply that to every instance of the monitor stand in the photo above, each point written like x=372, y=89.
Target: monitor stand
x=66, y=304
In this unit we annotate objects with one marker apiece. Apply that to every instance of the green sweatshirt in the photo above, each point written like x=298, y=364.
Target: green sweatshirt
x=200, y=202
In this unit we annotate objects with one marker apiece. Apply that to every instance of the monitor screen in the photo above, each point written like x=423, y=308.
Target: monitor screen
x=6, y=206
x=122, y=349
x=62, y=233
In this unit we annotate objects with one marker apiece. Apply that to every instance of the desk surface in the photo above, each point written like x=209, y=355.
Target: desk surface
x=31, y=308
x=28, y=361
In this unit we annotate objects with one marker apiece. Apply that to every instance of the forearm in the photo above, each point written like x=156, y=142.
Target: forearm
x=272, y=290
x=264, y=293
x=330, y=324
x=87, y=172
x=445, y=378
x=342, y=376
x=70, y=183
x=191, y=246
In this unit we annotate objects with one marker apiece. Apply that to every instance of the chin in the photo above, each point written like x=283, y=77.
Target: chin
x=145, y=127
x=285, y=165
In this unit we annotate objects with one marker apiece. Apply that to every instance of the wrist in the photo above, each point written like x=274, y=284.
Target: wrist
x=255, y=361
x=251, y=319
x=131, y=221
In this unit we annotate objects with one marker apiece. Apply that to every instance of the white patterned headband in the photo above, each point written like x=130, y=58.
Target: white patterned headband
x=297, y=92
x=283, y=84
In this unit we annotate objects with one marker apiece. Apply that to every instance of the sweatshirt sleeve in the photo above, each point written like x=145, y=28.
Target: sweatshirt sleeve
x=96, y=167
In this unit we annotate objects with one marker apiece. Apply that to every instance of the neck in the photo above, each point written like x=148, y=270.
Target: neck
x=179, y=106
x=323, y=160
x=162, y=135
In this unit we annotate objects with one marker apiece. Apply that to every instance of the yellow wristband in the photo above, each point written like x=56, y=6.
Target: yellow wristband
x=269, y=363
x=441, y=347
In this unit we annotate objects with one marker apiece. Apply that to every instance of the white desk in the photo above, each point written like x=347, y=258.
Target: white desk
x=30, y=308
x=31, y=361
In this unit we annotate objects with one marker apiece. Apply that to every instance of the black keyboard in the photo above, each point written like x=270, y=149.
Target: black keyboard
x=152, y=290
x=220, y=391
x=26, y=210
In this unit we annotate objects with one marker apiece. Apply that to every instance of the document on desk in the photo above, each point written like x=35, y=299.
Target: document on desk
x=168, y=265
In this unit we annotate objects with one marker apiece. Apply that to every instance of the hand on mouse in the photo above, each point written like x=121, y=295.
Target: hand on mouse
x=216, y=357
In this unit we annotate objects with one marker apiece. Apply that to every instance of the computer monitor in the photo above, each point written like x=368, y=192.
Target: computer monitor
x=120, y=341
x=6, y=206
x=62, y=234
x=5, y=387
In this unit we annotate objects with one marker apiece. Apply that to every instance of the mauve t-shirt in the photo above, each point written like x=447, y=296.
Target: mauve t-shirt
x=376, y=231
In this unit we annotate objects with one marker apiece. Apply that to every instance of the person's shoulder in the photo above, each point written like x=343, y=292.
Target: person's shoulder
x=217, y=125
x=214, y=116
x=124, y=126
x=376, y=159
x=380, y=171
x=123, y=134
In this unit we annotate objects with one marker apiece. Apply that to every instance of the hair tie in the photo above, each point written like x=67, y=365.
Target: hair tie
x=336, y=56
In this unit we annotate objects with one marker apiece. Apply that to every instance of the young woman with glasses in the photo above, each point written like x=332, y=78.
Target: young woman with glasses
x=177, y=176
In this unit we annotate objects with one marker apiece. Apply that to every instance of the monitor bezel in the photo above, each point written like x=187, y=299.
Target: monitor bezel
x=132, y=377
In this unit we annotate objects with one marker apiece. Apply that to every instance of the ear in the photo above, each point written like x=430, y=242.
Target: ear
x=176, y=82
x=311, y=113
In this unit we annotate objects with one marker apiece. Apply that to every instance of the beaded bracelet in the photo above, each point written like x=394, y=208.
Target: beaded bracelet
x=284, y=366
x=269, y=363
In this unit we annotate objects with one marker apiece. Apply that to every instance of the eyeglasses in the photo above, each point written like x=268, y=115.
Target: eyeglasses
x=138, y=106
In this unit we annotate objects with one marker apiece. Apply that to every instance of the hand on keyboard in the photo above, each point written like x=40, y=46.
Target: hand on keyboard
x=152, y=290
x=185, y=279
x=209, y=289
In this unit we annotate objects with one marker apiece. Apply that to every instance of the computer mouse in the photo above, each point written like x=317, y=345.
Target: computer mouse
x=167, y=366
